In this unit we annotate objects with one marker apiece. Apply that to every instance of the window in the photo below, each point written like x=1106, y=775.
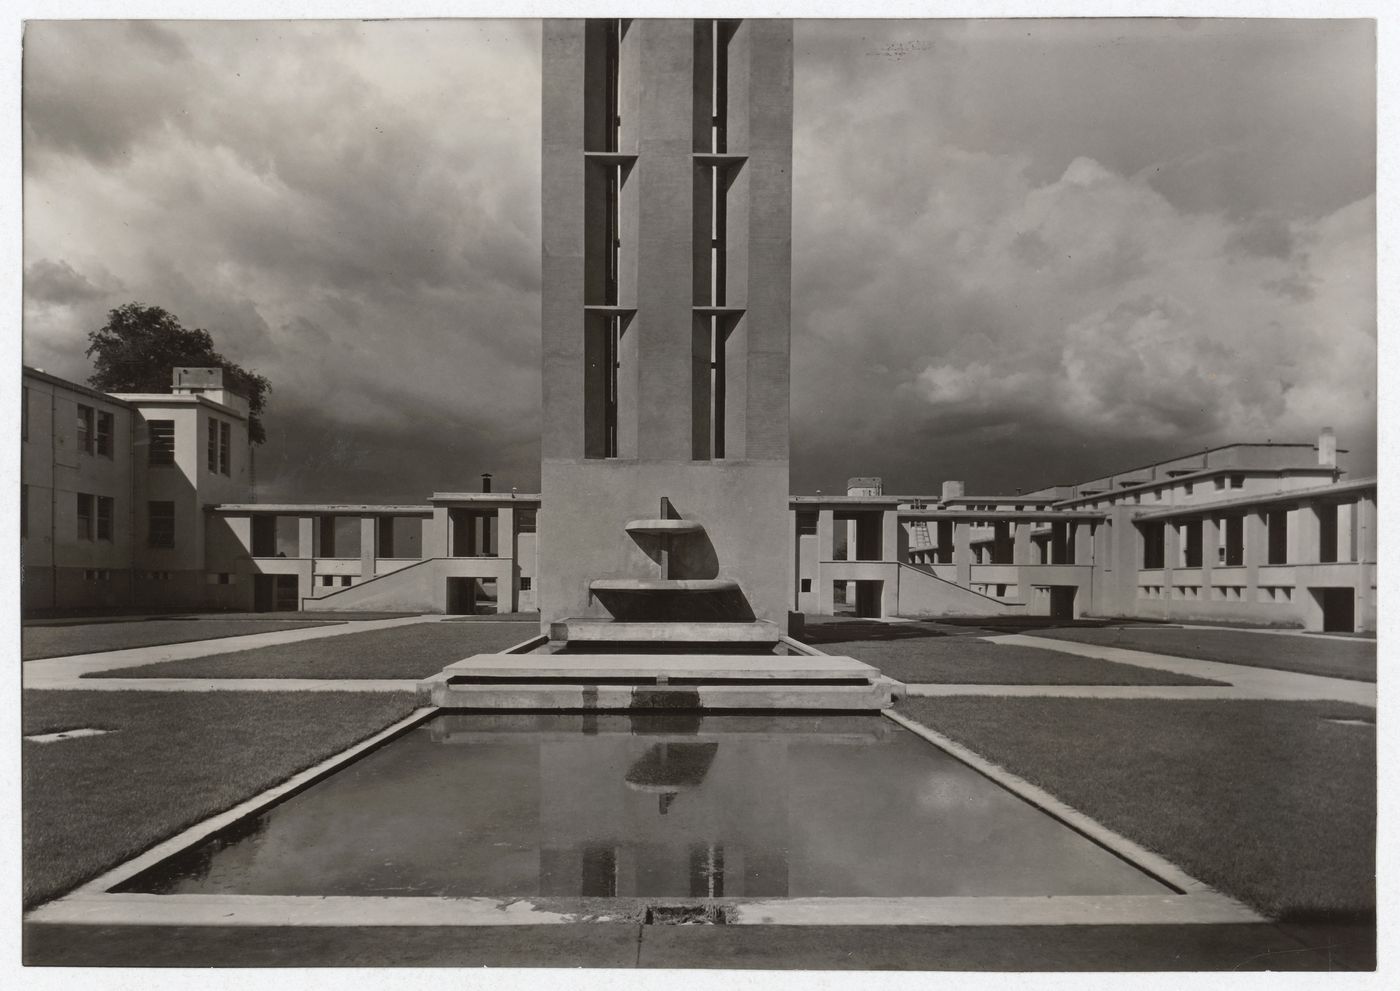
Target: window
x=105, y=506
x=161, y=531
x=1153, y=546
x=1191, y=544
x=218, y=578
x=85, y=514
x=97, y=575
x=806, y=584
x=162, y=438
x=1236, y=481
x=1189, y=488
x=327, y=580
x=526, y=583
x=525, y=521
x=1219, y=483
x=344, y=581
x=806, y=524
x=1234, y=542
x=1327, y=533
x=219, y=446
x=1276, y=521
x=1001, y=591
x=85, y=428
x=106, y=426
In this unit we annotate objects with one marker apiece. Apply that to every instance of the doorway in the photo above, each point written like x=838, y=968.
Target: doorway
x=1062, y=601
x=276, y=593
x=1338, y=609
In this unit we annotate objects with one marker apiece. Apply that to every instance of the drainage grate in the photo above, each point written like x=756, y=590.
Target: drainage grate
x=686, y=915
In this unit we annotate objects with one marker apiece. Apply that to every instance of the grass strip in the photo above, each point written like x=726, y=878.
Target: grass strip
x=174, y=759
x=1270, y=802
x=403, y=652
x=959, y=660
x=92, y=638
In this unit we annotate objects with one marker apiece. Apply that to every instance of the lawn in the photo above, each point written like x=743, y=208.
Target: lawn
x=1354, y=660
x=89, y=638
x=967, y=660
x=1266, y=801
x=408, y=652
x=175, y=759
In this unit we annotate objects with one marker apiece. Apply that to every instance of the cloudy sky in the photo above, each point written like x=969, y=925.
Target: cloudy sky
x=1024, y=251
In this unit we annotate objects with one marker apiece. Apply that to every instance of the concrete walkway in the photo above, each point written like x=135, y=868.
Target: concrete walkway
x=1245, y=682
x=1237, y=947
x=67, y=672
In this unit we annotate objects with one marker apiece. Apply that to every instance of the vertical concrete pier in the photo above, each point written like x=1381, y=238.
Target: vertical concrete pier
x=667, y=205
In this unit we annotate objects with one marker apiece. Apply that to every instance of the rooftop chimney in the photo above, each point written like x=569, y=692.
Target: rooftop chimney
x=485, y=481
x=952, y=490
x=1327, y=448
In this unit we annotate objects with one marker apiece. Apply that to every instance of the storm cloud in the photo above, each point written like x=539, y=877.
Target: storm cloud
x=1024, y=251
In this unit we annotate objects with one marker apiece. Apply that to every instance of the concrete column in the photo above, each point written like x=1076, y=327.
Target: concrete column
x=1021, y=549
x=1346, y=523
x=306, y=537
x=242, y=529
x=1304, y=535
x=437, y=534
x=505, y=550
x=1256, y=551
x=1210, y=554
x=826, y=527
x=826, y=534
x=795, y=557
x=962, y=552
x=369, y=546
x=1083, y=538
x=889, y=536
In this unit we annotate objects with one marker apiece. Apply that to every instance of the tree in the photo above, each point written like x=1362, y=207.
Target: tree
x=139, y=346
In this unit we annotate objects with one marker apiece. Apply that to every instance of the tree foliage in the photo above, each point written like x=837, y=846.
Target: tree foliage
x=139, y=346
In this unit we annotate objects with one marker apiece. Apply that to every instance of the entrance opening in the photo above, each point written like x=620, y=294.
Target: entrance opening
x=275, y=593
x=1338, y=609
x=471, y=596
x=1062, y=601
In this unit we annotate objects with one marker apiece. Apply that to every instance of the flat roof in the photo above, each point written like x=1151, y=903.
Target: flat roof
x=85, y=390
x=306, y=508
x=1287, y=495
x=178, y=399
x=502, y=497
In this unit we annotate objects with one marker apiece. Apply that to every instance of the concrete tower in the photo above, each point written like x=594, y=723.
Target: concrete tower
x=667, y=256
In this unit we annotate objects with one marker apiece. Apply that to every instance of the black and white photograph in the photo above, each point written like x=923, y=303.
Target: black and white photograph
x=677, y=496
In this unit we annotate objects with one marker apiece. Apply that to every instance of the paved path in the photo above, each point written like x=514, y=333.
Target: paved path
x=1353, y=638
x=1244, y=682
x=67, y=672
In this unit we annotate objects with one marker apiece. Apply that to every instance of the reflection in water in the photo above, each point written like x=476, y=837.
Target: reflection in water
x=650, y=805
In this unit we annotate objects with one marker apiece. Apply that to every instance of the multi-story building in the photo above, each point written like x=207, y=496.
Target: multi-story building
x=1268, y=534
x=114, y=488
x=144, y=501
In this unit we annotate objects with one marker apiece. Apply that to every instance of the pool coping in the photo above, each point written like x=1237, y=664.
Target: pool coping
x=94, y=903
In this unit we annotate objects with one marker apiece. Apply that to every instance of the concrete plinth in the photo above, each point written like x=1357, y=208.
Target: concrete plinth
x=584, y=630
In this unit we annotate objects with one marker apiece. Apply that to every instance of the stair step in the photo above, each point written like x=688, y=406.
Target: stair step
x=585, y=668
x=627, y=698
x=611, y=631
